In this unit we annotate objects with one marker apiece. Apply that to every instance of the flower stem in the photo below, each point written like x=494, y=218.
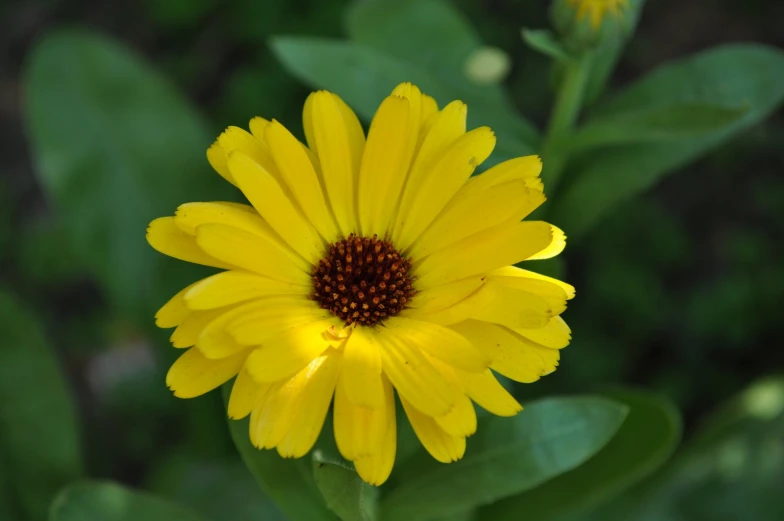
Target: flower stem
x=568, y=103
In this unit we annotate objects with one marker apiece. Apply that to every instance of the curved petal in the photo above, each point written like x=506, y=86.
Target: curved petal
x=360, y=431
x=300, y=178
x=485, y=390
x=376, y=468
x=441, y=183
x=316, y=385
x=175, y=311
x=512, y=355
x=361, y=377
x=232, y=287
x=442, y=446
x=556, y=334
x=385, y=163
x=246, y=394
x=166, y=237
x=555, y=247
x=483, y=252
x=515, y=308
x=192, y=374
x=439, y=342
x=469, y=307
x=271, y=201
x=414, y=377
x=339, y=148
x=248, y=251
x=290, y=351
x=513, y=271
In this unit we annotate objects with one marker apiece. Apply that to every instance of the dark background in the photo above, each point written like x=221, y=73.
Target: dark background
x=678, y=291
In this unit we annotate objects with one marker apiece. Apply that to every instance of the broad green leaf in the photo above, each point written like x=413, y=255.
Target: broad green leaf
x=364, y=76
x=507, y=456
x=544, y=41
x=39, y=445
x=115, y=146
x=664, y=123
x=105, y=501
x=435, y=36
x=644, y=442
x=287, y=482
x=733, y=75
x=344, y=491
x=218, y=489
x=731, y=470
x=605, y=57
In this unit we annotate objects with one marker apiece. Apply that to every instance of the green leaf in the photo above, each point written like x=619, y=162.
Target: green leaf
x=218, y=489
x=543, y=41
x=647, y=438
x=733, y=75
x=665, y=123
x=344, y=491
x=287, y=482
x=105, y=501
x=364, y=77
x=731, y=470
x=115, y=146
x=507, y=456
x=39, y=446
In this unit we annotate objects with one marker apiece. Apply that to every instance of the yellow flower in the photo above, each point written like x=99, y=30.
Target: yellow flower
x=365, y=266
x=596, y=10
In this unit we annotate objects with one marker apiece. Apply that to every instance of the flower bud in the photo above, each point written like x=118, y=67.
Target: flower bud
x=583, y=23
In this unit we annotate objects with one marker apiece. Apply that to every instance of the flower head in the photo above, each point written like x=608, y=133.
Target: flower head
x=596, y=10
x=362, y=267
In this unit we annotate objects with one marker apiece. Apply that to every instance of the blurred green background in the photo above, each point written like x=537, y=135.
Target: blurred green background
x=678, y=289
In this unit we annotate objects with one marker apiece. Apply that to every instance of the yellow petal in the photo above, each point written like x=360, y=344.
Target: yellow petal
x=187, y=333
x=301, y=179
x=291, y=351
x=360, y=431
x=474, y=212
x=514, y=308
x=461, y=418
x=190, y=216
x=485, y=390
x=277, y=209
x=237, y=139
x=556, y=334
x=272, y=417
x=246, y=393
x=258, y=127
x=441, y=131
x=414, y=96
x=553, y=294
x=248, y=251
x=166, y=237
x=192, y=374
x=429, y=109
x=361, y=377
x=512, y=355
x=440, y=184
x=272, y=314
x=231, y=287
x=439, y=342
x=444, y=296
x=525, y=168
x=483, y=252
x=316, y=385
x=217, y=158
x=555, y=247
x=385, y=162
x=442, y=446
x=331, y=138
x=376, y=468
x=513, y=271
x=174, y=312
x=469, y=307
x=414, y=377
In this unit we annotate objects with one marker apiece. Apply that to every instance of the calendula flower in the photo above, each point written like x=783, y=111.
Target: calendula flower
x=365, y=266
x=596, y=10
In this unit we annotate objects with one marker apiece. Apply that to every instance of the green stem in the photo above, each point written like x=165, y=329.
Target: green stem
x=563, y=118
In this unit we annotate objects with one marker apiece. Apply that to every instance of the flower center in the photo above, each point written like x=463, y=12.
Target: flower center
x=362, y=280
